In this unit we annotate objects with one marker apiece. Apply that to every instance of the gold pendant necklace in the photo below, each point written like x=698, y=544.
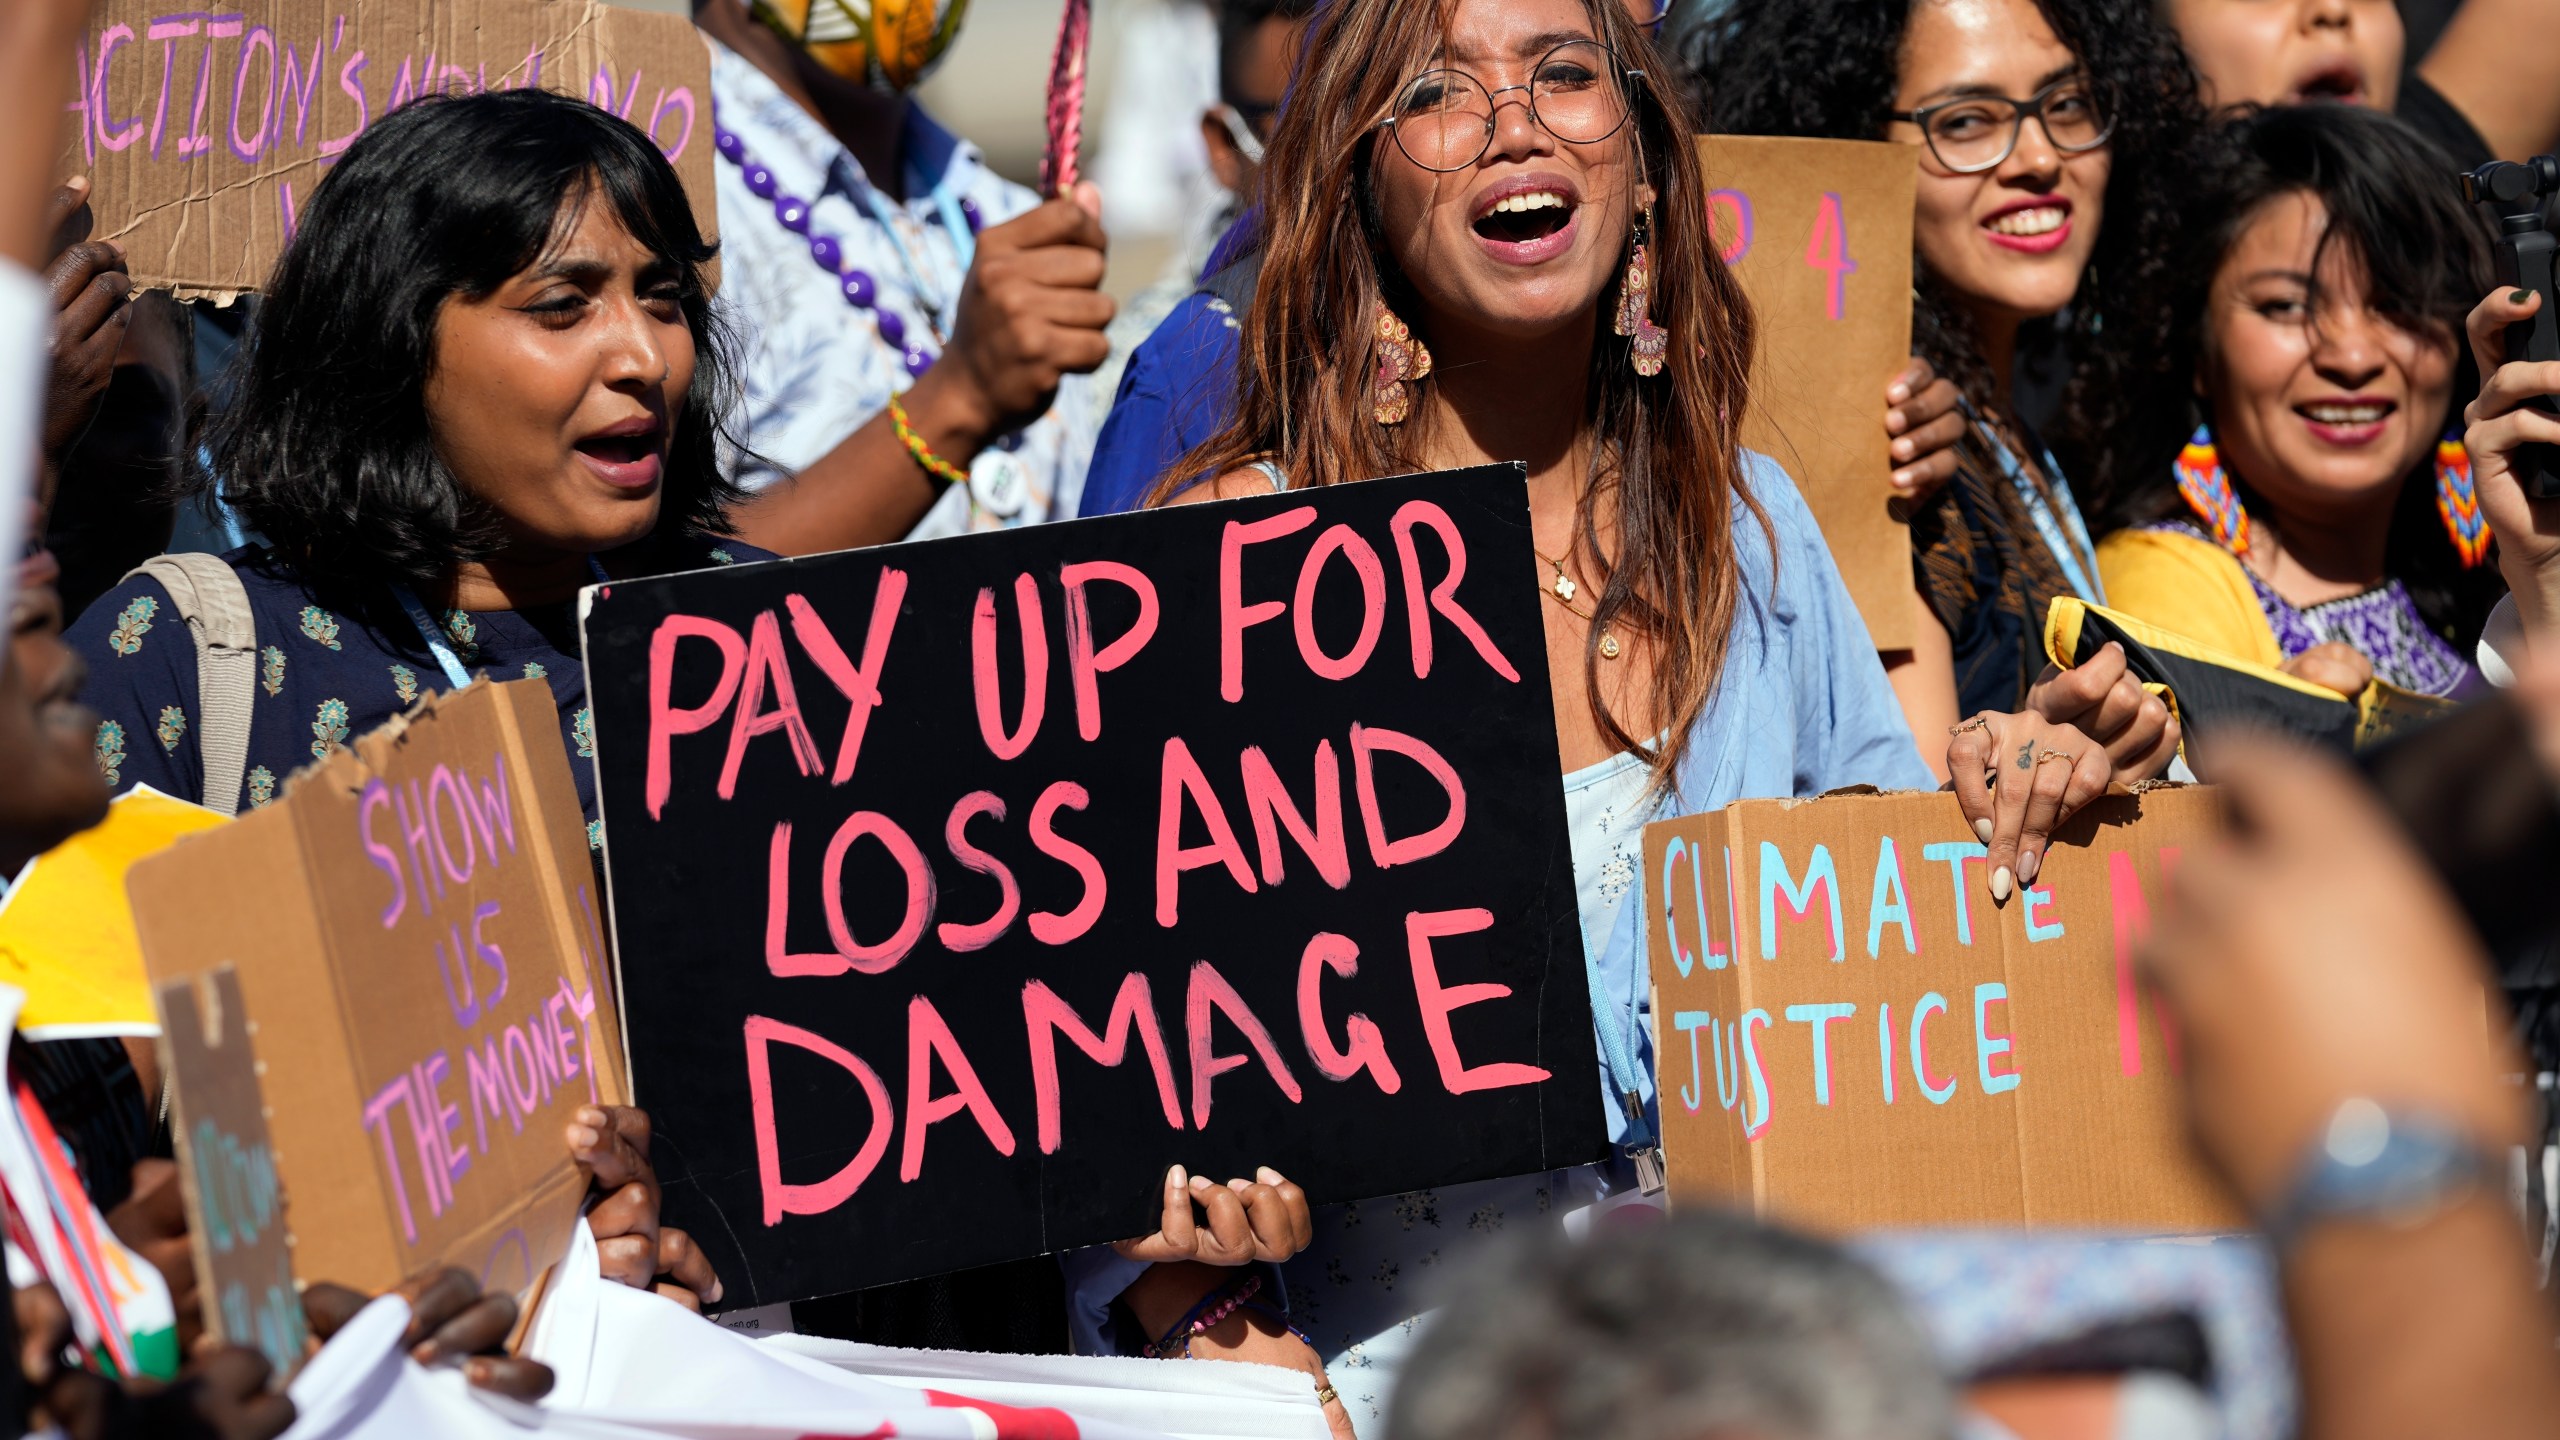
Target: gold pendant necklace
x=1563, y=591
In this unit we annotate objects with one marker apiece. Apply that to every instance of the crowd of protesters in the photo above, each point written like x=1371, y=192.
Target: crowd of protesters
x=2202, y=333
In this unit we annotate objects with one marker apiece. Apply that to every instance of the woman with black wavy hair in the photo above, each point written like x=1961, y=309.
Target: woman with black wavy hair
x=2321, y=518
x=2052, y=137
x=485, y=373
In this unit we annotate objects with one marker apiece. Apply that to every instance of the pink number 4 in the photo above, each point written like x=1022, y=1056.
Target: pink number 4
x=1827, y=249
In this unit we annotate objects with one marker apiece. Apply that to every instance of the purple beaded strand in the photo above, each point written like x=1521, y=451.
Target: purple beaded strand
x=859, y=289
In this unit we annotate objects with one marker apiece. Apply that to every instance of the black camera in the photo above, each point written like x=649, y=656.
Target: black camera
x=2526, y=251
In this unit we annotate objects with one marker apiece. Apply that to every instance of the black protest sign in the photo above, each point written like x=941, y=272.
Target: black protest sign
x=962, y=887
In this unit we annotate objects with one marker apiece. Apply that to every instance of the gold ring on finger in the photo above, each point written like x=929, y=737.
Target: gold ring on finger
x=1976, y=723
x=2049, y=754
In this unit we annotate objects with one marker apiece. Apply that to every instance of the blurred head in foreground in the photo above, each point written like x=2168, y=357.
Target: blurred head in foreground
x=1708, y=1325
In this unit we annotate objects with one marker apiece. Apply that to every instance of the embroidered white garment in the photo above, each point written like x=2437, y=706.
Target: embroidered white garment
x=816, y=366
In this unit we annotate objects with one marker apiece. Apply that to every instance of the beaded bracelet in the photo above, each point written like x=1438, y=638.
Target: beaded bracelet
x=1212, y=1310
x=934, y=465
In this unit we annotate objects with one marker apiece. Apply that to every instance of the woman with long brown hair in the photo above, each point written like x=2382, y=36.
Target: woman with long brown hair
x=1486, y=242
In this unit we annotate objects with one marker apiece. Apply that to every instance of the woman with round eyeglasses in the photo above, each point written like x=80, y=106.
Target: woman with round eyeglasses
x=1487, y=242
x=2050, y=133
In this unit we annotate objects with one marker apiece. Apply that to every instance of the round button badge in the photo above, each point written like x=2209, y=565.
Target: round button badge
x=1000, y=482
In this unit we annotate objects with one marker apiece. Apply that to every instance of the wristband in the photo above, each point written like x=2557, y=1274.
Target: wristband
x=934, y=465
x=2375, y=1164
x=1213, y=1309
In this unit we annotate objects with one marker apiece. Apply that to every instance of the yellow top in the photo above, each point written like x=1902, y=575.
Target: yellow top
x=2191, y=586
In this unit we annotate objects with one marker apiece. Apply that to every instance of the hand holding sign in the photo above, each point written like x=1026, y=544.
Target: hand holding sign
x=1264, y=1219
x=1922, y=417
x=92, y=301
x=612, y=1142
x=2018, y=777
x=449, y=1319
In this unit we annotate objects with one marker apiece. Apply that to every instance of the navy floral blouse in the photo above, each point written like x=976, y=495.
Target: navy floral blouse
x=329, y=668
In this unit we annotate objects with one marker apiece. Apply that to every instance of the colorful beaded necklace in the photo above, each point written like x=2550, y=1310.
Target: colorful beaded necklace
x=860, y=290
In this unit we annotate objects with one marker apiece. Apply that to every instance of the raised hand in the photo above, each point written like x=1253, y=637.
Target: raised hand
x=1031, y=313
x=2497, y=425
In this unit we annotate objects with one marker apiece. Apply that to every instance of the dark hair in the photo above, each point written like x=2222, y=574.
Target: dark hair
x=1238, y=22
x=324, y=444
x=1831, y=68
x=2424, y=258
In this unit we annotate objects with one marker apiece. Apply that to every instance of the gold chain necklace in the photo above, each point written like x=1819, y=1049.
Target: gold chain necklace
x=1563, y=591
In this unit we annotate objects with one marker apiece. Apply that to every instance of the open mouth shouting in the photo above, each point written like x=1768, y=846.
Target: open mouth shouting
x=2339, y=80
x=2035, y=224
x=1527, y=219
x=2347, y=419
x=627, y=455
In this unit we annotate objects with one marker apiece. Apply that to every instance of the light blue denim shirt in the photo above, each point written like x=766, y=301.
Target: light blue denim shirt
x=1800, y=707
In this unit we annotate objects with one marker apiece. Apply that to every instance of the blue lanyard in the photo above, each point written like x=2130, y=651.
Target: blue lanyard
x=946, y=204
x=432, y=634
x=2067, y=537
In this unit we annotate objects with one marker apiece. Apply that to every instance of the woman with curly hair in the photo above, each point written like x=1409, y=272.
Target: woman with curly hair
x=2051, y=134
x=471, y=390
x=2321, y=518
x=1487, y=242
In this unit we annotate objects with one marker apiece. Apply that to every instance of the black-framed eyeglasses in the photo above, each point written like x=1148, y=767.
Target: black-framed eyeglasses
x=1443, y=119
x=1974, y=133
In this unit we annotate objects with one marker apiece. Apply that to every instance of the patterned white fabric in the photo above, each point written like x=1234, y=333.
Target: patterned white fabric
x=817, y=368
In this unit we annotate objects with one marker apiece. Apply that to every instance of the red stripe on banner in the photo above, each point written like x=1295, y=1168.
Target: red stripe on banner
x=1012, y=1424
x=72, y=1219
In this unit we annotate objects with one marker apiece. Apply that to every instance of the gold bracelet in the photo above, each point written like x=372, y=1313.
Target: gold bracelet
x=934, y=465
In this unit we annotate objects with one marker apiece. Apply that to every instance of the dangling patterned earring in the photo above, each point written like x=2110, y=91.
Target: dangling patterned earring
x=2207, y=492
x=2458, y=503
x=1651, y=343
x=1401, y=359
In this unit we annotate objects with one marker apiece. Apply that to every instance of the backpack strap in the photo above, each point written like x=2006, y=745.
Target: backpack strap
x=215, y=605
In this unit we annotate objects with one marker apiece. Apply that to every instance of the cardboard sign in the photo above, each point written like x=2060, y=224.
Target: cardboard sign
x=205, y=129
x=227, y=1169
x=960, y=888
x=1819, y=234
x=1852, y=1034
x=416, y=936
